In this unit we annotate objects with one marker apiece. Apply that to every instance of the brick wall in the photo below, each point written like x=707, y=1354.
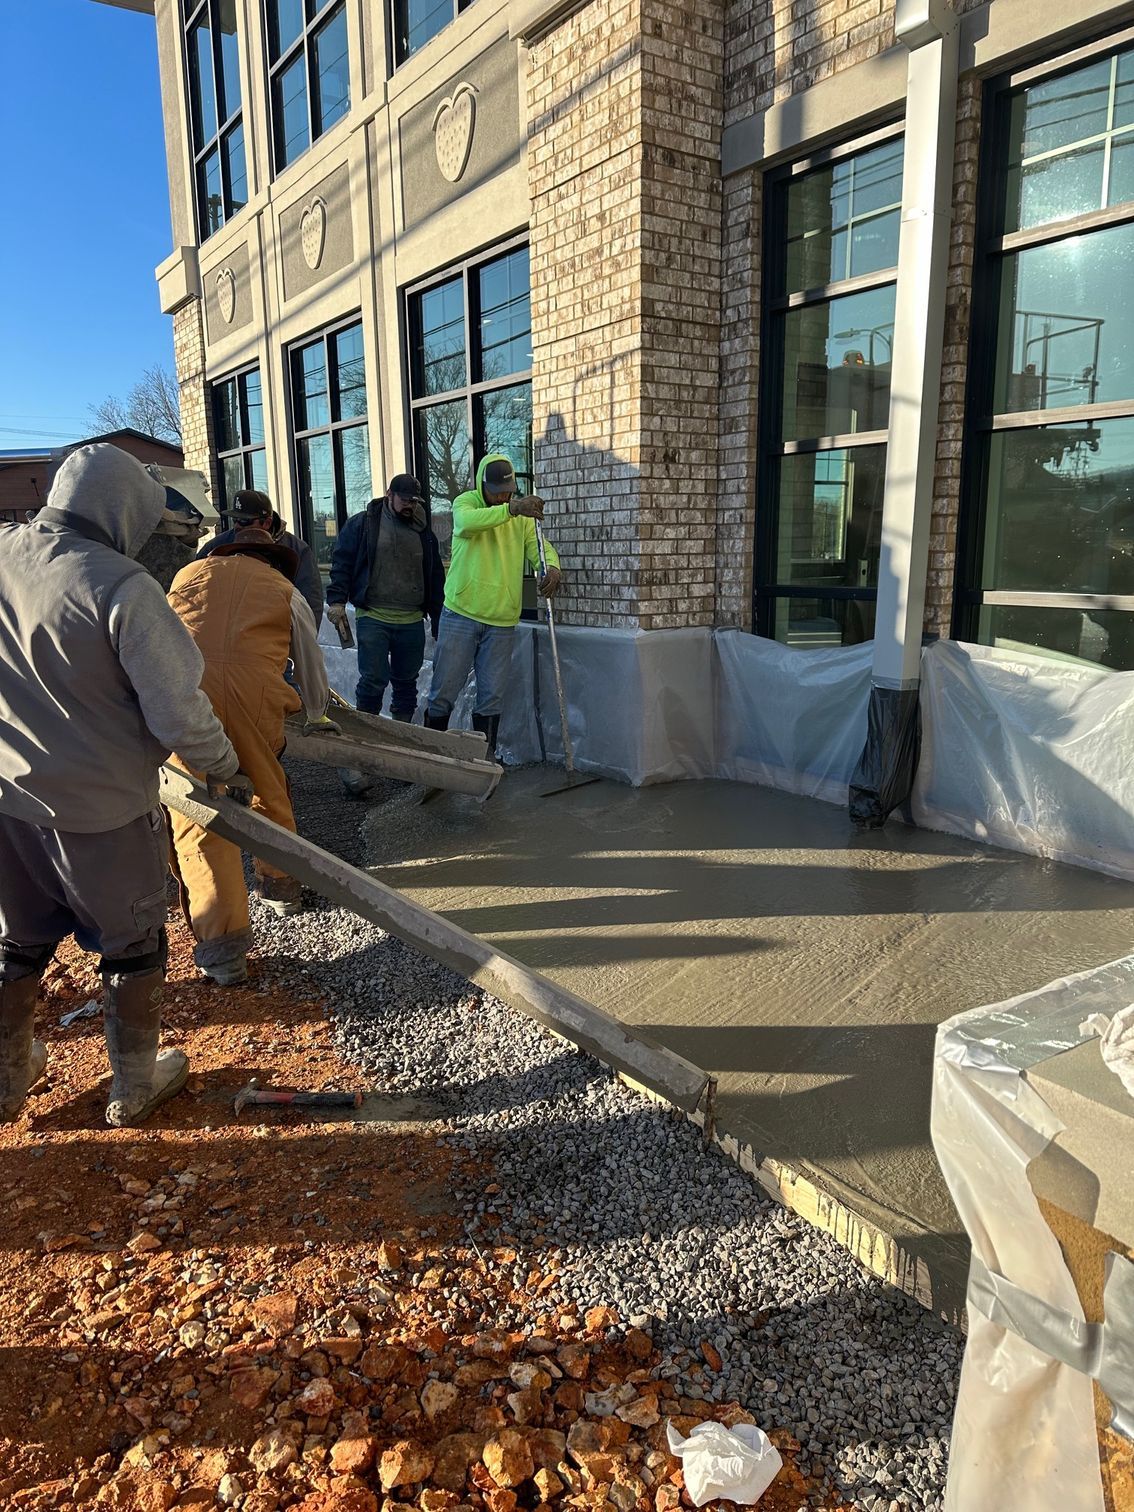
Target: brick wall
x=954, y=367
x=624, y=111
x=196, y=412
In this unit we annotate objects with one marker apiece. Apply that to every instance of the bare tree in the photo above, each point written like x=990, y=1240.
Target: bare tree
x=152, y=406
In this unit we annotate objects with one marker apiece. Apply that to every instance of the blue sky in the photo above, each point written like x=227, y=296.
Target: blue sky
x=86, y=213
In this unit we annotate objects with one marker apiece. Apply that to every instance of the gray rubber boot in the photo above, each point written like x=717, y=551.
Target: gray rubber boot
x=142, y=1078
x=22, y=1057
x=488, y=725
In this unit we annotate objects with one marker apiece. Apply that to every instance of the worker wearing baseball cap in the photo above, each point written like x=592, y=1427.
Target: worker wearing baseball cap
x=253, y=510
x=387, y=563
x=493, y=535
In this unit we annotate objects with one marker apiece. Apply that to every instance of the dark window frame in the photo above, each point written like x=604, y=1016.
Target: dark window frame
x=400, y=54
x=192, y=13
x=246, y=448
x=981, y=421
x=771, y=450
x=469, y=391
x=333, y=428
x=317, y=16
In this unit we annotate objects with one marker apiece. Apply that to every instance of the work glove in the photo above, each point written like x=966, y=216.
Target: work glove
x=337, y=614
x=548, y=585
x=238, y=787
x=527, y=504
x=324, y=726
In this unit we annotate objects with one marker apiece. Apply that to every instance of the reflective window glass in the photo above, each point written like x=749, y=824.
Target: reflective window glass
x=232, y=470
x=836, y=365
x=228, y=58
x=258, y=466
x=506, y=424
x=505, y=316
x=289, y=111
x=440, y=356
x=1105, y=636
x=332, y=73
x=416, y=21
x=830, y=517
x=316, y=473
x=254, y=409
x=227, y=411
x=809, y=623
x=1068, y=152
x=445, y=446
x=1060, y=509
x=354, y=444
x=237, y=169
x=1066, y=328
x=312, y=404
x=211, y=193
x=202, y=85
x=285, y=23
x=350, y=369
x=843, y=219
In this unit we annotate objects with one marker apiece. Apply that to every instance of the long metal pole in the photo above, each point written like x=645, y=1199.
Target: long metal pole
x=568, y=753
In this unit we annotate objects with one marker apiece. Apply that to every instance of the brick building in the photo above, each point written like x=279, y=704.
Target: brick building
x=26, y=474
x=806, y=317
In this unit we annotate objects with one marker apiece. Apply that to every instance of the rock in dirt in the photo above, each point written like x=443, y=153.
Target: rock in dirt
x=251, y=1388
x=642, y=1413
x=548, y=1484
x=353, y=1453
x=437, y=1397
x=405, y=1464
x=229, y=1491
x=455, y=1455
x=317, y=1399
x=275, y=1313
x=508, y=1458
x=273, y=1451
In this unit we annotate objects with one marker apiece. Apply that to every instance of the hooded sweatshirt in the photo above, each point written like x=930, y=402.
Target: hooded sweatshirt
x=99, y=680
x=490, y=545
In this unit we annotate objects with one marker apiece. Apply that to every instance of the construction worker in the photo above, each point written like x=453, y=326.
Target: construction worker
x=98, y=683
x=388, y=564
x=173, y=544
x=252, y=509
x=243, y=609
x=493, y=535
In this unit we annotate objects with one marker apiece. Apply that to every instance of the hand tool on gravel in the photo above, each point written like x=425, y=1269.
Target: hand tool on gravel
x=574, y=780
x=256, y=1095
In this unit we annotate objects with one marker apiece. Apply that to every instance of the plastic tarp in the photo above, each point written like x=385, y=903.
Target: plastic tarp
x=1019, y=750
x=1028, y=752
x=1024, y=1435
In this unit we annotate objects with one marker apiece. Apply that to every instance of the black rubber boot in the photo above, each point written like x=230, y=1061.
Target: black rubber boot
x=404, y=718
x=22, y=1056
x=436, y=721
x=487, y=724
x=142, y=1078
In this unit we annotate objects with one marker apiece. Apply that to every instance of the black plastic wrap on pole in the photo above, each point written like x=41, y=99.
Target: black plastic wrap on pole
x=884, y=776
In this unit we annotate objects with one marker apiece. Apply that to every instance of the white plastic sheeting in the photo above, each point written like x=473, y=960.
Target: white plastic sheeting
x=1019, y=750
x=1028, y=752
x=1024, y=1436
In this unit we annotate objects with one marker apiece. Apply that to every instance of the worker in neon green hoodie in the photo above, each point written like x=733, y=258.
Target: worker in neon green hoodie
x=493, y=535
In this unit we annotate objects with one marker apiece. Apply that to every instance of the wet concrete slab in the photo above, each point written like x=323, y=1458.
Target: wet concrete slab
x=760, y=935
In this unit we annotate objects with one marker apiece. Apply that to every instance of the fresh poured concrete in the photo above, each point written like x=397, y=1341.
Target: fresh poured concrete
x=759, y=935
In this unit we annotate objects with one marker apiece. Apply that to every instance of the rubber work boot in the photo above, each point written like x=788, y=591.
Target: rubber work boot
x=487, y=724
x=22, y=1057
x=283, y=895
x=406, y=718
x=143, y=1079
x=227, y=973
x=436, y=721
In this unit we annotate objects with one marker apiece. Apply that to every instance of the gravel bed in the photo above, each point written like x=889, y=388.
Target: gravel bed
x=646, y=1219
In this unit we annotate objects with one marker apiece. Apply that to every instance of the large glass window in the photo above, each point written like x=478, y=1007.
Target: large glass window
x=309, y=68
x=1048, y=542
x=470, y=377
x=238, y=430
x=830, y=269
x=220, y=174
x=332, y=439
x=416, y=21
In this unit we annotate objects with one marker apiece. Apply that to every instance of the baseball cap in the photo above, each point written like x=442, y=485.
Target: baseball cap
x=499, y=476
x=406, y=486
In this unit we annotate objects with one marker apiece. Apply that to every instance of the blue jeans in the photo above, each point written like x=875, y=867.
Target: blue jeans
x=388, y=653
x=465, y=645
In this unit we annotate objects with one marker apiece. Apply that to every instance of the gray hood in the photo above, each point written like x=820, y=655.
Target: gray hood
x=106, y=494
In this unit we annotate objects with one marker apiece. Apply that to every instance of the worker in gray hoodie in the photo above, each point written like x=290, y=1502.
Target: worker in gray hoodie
x=99, y=682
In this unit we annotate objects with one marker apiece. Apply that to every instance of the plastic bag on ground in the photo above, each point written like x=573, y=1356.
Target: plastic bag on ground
x=1117, y=1047
x=738, y=1464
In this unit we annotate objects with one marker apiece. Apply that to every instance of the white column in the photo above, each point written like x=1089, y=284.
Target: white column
x=929, y=29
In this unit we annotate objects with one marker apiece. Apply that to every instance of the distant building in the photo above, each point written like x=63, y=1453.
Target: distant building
x=26, y=472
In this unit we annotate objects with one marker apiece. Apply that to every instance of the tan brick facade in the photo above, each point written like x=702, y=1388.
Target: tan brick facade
x=196, y=412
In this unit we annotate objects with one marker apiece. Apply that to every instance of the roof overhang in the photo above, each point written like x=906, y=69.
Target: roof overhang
x=145, y=6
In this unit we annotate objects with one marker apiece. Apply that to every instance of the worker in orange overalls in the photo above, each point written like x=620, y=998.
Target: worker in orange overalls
x=248, y=619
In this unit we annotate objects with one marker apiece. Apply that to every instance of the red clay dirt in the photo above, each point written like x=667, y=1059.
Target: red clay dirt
x=247, y=1311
